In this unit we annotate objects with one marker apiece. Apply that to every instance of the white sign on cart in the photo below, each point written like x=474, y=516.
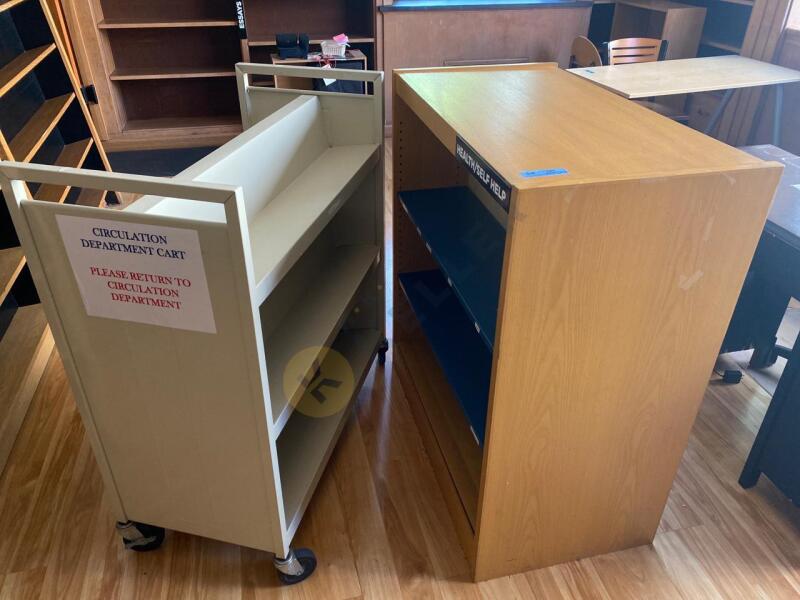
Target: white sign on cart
x=139, y=273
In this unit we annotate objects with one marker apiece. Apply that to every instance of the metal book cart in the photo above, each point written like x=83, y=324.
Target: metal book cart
x=217, y=330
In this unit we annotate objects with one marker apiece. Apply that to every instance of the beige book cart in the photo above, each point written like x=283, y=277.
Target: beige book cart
x=217, y=330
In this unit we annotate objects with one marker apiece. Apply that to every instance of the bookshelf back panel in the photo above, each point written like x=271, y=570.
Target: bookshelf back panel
x=265, y=19
x=192, y=47
x=170, y=10
x=179, y=98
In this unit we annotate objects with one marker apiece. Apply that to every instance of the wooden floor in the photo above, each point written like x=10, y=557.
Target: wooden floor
x=379, y=526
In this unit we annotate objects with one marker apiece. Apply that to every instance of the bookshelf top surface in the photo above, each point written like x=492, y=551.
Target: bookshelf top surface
x=533, y=118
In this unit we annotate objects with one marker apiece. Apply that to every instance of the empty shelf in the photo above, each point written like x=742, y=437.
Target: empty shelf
x=150, y=23
x=23, y=64
x=286, y=226
x=465, y=360
x=72, y=155
x=307, y=441
x=314, y=322
x=28, y=141
x=11, y=262
x=468, y=243
x=132, y=74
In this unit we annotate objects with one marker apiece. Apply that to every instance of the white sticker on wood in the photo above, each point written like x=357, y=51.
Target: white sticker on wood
x=140, y=273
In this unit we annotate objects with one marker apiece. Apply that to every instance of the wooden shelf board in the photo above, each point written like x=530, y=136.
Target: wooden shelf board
x=226, y=121
x=149, y=23
x=13, y=72
x=721, y=45
x=28, y=141
x=11, y=262
x=4, y=6
x=170, y=73
x=314, y=322
x=468, y=243
x=72, y=155
x=465, y=360
x=286, y=226
x=740, y=2
x=24, y=350
x=307, y=442
x=317, y=38
x=88, y=197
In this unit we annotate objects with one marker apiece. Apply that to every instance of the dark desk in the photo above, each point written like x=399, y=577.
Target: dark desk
x=774, y=279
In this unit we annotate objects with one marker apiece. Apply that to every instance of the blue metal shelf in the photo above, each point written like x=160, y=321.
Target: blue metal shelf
x=465, y=360
x=468, y=243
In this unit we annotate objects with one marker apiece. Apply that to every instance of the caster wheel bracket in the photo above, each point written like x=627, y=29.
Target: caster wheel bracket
x=140, y=537
x=298, y=565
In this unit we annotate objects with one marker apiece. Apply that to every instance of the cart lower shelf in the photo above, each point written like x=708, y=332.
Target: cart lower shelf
x=311, y=433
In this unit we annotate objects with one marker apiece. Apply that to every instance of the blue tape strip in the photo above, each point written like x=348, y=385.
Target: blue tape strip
x=543, y=173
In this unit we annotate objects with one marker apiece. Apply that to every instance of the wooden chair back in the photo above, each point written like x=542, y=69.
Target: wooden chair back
x=634, y=50
x=584, y=53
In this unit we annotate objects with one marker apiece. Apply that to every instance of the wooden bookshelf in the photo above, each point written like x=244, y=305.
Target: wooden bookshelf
x=502, y=377
x=43, y=119
x=142, y=55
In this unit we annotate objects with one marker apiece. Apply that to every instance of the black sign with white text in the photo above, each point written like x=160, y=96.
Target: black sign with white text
x=498, y=187
x=240, y=22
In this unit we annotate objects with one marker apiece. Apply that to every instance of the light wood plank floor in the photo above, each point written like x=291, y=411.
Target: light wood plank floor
x=379, y=525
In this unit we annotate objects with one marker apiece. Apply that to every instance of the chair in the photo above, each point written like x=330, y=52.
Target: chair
x=584, y=53
x=640, y=50
x=635, y=50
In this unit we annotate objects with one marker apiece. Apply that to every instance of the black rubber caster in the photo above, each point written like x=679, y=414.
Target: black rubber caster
x=732, y=376
x=296, y=567
x=382, y=350
x=141, y=537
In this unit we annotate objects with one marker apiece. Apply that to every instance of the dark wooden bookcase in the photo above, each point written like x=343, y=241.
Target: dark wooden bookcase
x=163, y=72
x=43, y=119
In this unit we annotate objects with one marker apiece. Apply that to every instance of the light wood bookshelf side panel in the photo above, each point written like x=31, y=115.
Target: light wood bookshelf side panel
x=614, y=303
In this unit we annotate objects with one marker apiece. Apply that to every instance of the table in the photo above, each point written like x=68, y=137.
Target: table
x=693, y=75
x=773, y=280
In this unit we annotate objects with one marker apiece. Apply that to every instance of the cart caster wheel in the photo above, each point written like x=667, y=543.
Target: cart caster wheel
x=732, y=376
x=141, y=537
x=296, y=567
x=382, y=350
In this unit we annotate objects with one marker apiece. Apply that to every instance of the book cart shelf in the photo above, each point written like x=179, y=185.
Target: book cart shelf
x=227, y=420
x=563, y=281
x=43, y=119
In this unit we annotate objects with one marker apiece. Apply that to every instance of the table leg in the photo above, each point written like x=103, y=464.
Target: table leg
x=787, y=391
x=771, y=309
x=777, y=119
x=715, y=118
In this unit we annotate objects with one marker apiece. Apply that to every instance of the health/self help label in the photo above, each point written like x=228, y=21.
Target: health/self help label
x=140, y=273
x=483, y=172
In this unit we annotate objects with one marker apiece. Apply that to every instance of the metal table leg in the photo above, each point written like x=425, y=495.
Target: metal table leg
x=777, y=117
x=715, y=118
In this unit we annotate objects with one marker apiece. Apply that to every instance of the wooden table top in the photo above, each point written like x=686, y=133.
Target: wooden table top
x=687, y=76
x=526, y=118
x=784, y=216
